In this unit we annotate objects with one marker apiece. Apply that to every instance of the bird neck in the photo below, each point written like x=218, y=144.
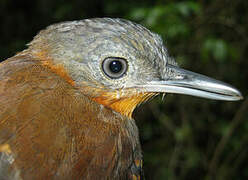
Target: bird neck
x=124, y=105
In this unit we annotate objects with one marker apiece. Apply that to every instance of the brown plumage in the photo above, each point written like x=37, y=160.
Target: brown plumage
x=62, y=116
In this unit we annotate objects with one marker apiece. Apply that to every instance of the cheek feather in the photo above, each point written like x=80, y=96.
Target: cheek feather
x=121, y=101
x=57, y=69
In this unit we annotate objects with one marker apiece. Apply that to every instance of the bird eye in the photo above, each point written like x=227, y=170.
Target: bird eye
x=114, y=67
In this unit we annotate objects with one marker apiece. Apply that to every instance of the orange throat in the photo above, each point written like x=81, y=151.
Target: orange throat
x=124, y=105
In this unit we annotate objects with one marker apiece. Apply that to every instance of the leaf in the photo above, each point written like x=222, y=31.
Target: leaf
x=217, y=48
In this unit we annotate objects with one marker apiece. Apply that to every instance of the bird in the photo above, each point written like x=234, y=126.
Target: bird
x=66, y=102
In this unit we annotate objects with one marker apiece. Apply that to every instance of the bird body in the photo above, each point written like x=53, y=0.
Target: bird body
x=66, y=102
x=50, y=129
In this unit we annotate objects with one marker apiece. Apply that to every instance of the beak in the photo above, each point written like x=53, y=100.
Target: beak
x=181, y=81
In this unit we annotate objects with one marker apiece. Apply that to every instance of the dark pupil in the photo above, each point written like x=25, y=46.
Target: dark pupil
x=115, y=66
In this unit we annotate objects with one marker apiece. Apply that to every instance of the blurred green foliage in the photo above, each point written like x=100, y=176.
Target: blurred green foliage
x=167, y=19
x=183, y=137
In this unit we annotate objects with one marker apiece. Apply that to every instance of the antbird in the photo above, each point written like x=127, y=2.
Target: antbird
x=66, y=102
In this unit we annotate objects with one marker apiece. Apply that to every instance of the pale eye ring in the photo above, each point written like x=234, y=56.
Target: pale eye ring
x=114, y=67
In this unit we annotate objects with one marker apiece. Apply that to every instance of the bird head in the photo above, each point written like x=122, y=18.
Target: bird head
x=119, y=64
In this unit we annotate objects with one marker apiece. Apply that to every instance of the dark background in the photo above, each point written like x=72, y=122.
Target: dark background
x=184, y=137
